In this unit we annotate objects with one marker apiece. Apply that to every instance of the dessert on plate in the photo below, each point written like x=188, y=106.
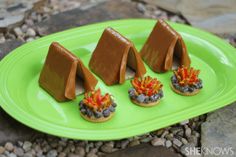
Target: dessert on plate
x=185, y=81
x=115, y=59
x=164, y=49
x=96, y=107
x=146, y=91
x=64, y=75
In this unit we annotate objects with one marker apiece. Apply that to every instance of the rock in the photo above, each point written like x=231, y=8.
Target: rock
x=146, y=139
x=188, y=132
x=80, y=151
x=106, y=148
x=168, y=143
x=177, y=142
x=73, y=155
x=124, y=143
x=141, y=7
x=19, y=152
x=9, y=146
x=175, y=130
x=184, y=122
x=30, y=32
x=29, y=39
x=18, y=31
x=52, y=153
x=27, y=145
x=184, y=141
x=158, y=142
x=193, y=140
x=98, y=144
x=24, y=28
x=62, y=154
x=91, y=155
x=2, y=38
x=12, y=155
x=2, y=150
x=219, y=129
x=164, y=133
x=134, y=143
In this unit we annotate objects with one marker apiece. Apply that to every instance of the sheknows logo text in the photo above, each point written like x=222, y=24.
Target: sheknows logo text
x=217, y=151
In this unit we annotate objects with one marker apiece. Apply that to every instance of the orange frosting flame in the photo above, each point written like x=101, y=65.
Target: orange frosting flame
x=186, y=76
x=96, y=100
x=147, y=85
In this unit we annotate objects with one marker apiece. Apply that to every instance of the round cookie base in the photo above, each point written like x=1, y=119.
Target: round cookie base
x=97, y=120
x=184, y=94
x=146, y=104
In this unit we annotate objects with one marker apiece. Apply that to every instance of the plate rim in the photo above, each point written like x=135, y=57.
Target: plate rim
x=107, y=134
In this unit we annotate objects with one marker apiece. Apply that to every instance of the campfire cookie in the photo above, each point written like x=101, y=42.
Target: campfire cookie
x=96, y=107
x=146, y=91
x=185, y=81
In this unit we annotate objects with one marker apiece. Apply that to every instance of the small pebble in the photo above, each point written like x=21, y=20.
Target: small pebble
x=62, y=154
x=106, y=149
x=188, y=132
x=168, y=143
x=91, y=155
x=177, y=142
x=80, y=151
x=12, y=155
x=18, y=31
x=19, y=151
x=124, y=143
x=184, y=141
x=30, y=32
x=27, y=145
x=52, y=153
x=2, y=150
x=141, y=7
x=158, y=142
x=141, y=98
x=2, y=38
x=9, y=146
x=29, y=39
x=73, y=155
x=134, y=143
x=184, y=122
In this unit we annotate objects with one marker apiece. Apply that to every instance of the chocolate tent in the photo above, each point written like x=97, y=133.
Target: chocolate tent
x=115, y=57
x=164, y=48
x=63, y=72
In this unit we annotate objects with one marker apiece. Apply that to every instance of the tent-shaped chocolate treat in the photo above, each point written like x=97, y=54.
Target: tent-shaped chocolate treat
x=115, y=59
x=64, y=75
x=164, y=49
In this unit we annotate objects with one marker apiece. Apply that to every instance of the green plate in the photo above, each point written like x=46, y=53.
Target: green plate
x=23, y=99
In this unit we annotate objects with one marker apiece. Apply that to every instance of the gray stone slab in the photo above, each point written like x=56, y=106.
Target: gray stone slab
x=144, y=150
x=219, y=131
x=216, y=16
x=8, y=46
x=13, y=12
x=11, y=130
x=104, y=11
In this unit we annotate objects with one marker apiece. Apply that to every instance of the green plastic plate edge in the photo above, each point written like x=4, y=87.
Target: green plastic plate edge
x=38, y=124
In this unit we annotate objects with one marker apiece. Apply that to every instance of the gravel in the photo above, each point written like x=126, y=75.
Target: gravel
x=177, y=137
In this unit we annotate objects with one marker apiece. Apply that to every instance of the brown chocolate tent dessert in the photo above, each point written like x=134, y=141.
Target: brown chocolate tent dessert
x=116, y=59
x=164, y=49
x=63, y=74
